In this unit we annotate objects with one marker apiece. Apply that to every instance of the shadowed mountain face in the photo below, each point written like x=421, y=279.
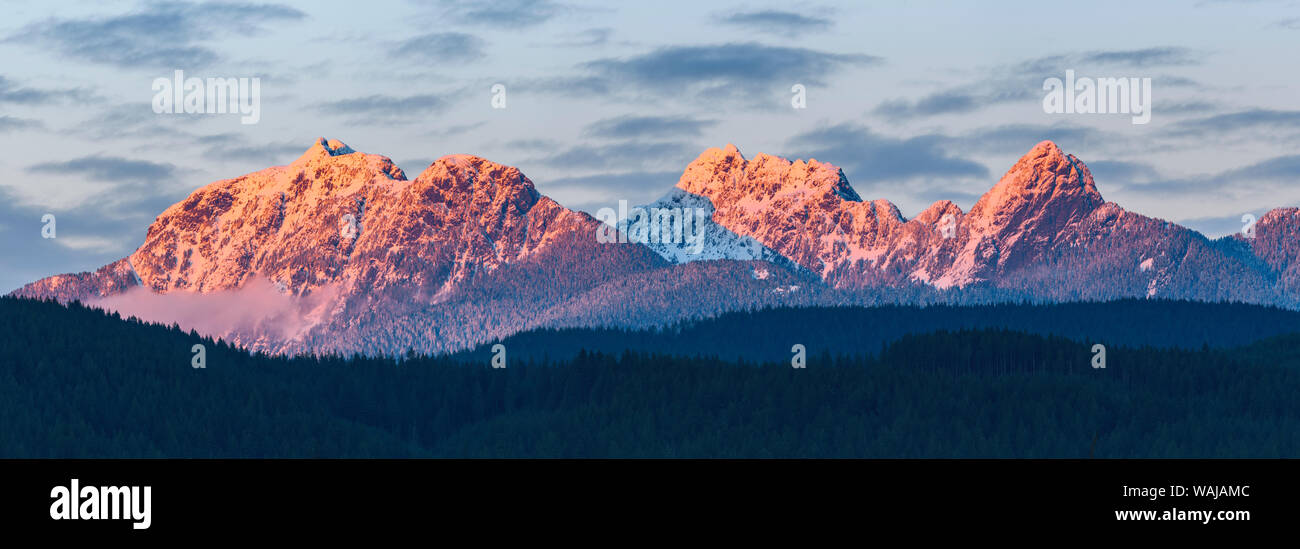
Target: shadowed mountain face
x=340, y=252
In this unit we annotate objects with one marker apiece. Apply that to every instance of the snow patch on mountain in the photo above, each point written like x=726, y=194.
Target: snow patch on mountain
x=718, y=241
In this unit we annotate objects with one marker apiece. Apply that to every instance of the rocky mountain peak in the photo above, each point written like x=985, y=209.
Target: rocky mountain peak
x=723, y=175
x=468, y=179
x=1044, y=180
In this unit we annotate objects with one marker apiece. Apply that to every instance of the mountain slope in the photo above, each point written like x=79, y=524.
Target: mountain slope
x=1042, y=231
x=339, y=252
x=362, y=259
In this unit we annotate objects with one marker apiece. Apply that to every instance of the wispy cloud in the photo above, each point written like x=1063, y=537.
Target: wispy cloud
x=456, y=129
x=503, y=13
x=11, y=92
x=1023, y=81
x=627, y=156
x=1265, y=180
x=106, y=168
x=588, y=38
x=1119, y=172
x=592, y=192
x=533, y=144
x=1019, y=138
x=10, y=123
x=748, y=72
x=389, y=108
x=868, y=156
x=442, y=47
x=944, y=102
x=784, y=23
x=235, y=146
x=1148, y=57
x=1278, y=169
x=625, y=127
x=1251, y=119
x=159, y=36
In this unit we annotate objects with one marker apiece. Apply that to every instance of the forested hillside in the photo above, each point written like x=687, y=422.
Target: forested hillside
x=770, y=333
x=75, y=382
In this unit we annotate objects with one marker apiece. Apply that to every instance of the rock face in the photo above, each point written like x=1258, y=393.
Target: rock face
x=809, y=213
x=469, y=250
x=1042, y=232
x=335, y=216
x=466, y=251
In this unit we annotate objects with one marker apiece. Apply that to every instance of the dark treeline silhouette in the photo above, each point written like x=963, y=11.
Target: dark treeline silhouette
x=769, y=334
x=76, y=382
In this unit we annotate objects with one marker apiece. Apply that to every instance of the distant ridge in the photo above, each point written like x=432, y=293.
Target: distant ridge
x=339, y=251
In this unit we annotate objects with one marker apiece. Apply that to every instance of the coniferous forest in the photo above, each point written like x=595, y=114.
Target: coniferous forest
x=78, y=383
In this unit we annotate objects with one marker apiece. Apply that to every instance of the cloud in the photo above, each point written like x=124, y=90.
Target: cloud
x=1264, y=180
x=783, y=23
x=570, y=85
x=589, y=38
x=1118, y=172
x=1168, y=81
x=867, y=156
x=9, y=123
x=456, y=129
x=945, y=102
x=1280, y=169
x=1292, y=23
x=502, y=13
x=593, y=192
x=442, y=47
x=107, y=168
x=533, y=144
x=1148, y=57
x=1167, y=56
x=626, y=156
x=10, y=92
x=235, y=146
x=1023, y=81
x=1251, y=119
x=1001, y=88
x=745, y=71
x=103, y=228
x=161, y=36
x=257, y=306
x=387, y=107
x=1183, y=107
x=626, y=127
x=1020, y=138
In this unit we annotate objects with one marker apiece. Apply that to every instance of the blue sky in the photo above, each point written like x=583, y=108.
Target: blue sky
x=916, y=101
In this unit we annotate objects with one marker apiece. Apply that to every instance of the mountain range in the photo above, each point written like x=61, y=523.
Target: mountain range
x=339, y=252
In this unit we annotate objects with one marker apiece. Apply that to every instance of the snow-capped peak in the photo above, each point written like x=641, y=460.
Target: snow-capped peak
x=329, y=147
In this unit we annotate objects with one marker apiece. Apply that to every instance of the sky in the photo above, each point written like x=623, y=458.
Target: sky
x=916, y=101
